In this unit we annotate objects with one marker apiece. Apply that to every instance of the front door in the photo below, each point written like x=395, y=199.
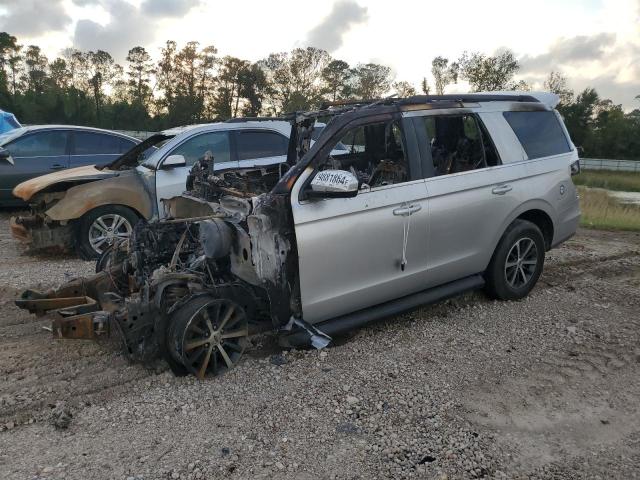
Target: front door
x=361, y=251
x=33, y=154
x=171, y=181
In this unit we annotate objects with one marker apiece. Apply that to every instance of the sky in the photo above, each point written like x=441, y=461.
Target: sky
x=594, y=43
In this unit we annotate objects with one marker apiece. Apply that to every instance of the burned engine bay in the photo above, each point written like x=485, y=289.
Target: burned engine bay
x=191, y=289
x=222, y=266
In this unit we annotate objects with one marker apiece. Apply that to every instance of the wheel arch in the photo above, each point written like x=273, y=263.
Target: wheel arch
x=538, y=212
x=543, y=221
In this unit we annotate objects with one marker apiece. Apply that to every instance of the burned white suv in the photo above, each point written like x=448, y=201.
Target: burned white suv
x=397, y=204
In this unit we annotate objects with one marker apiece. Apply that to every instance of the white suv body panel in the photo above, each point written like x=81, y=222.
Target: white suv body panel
x=357, y=242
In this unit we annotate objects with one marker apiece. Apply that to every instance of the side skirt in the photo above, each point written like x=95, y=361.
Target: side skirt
x=344, y=323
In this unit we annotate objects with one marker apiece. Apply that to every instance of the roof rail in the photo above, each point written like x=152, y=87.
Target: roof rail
x=416, y=99
x=256, y=119
x=468, y=98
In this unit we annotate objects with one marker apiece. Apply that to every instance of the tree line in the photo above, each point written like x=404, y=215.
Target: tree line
x=195, y=84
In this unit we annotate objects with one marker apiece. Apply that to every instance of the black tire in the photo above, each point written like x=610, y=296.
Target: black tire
x=84, y=226
x=517, y=262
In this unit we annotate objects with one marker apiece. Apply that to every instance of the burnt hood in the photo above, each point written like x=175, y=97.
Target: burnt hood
x=64, y=179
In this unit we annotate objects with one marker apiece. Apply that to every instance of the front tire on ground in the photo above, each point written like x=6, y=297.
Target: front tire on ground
x=517, y=262
x=208, y=335
x=99, y=227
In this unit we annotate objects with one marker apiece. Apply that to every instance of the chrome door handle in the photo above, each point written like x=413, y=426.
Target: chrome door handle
x=56, y=166
x=406, y=211
x=501, y=189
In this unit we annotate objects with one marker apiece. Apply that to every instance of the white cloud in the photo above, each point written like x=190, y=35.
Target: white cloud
x=593, y=43
x=329, y=33
x=34, y=18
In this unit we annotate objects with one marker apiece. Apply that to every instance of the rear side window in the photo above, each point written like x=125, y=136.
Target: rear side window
x=261, y=144
x=540, y=133
x=458, y=143
x=41, y=144
x=89, y=143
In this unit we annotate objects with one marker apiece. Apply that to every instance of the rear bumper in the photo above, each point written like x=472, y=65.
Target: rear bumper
x=33, y=231
x=568, y=223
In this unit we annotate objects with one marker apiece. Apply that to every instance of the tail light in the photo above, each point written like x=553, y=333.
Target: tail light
x=574, y=168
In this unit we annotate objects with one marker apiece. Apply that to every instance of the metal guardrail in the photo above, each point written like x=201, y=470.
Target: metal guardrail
x=610, y=164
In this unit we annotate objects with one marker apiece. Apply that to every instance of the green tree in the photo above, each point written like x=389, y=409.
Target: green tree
x=426, y=88
x=443, y=73
x=253, y=88
x=336, y=77
x=166, y=76
x=35, y=74
x=487, y=73
x=229, y=92
x=404, y=89
x=9, y=58
x=295, y=79
x=139, y=74
x=371, y=81
x=102, y=72
x=557, y=83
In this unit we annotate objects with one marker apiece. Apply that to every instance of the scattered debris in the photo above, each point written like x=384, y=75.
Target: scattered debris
x=61, y=416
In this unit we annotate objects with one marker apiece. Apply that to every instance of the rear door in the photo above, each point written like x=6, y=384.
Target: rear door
x=471, y=189
x=96, y=148
x=258, y=148
x=34, y=154
x=362, y=251
x=171, y=180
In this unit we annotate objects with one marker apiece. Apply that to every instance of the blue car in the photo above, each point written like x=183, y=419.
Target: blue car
x=29, y=152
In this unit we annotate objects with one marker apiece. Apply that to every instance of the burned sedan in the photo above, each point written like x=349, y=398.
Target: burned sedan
x=425, y=198
x=85, y=209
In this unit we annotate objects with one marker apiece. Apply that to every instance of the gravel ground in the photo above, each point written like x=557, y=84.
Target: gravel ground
x=547, y=387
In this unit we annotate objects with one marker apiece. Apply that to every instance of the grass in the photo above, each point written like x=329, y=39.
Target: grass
x=610, y=180
x=601, y=211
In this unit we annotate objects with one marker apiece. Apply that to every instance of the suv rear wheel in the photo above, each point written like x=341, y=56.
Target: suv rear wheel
x=517, y=262
x=99, y=227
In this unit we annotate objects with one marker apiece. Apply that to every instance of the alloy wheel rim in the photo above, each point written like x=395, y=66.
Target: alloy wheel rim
x=215, y=338
x=106, y=229
x=521, y=263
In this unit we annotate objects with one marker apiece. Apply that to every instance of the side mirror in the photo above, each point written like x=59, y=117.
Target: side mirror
x=174, y=161
x=6, y=156
x=333, y=184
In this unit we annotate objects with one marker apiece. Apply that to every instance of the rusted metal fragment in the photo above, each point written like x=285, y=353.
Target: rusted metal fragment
x=77, y=296
x=188, y=207
x=42, y=306
x=85, y=326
